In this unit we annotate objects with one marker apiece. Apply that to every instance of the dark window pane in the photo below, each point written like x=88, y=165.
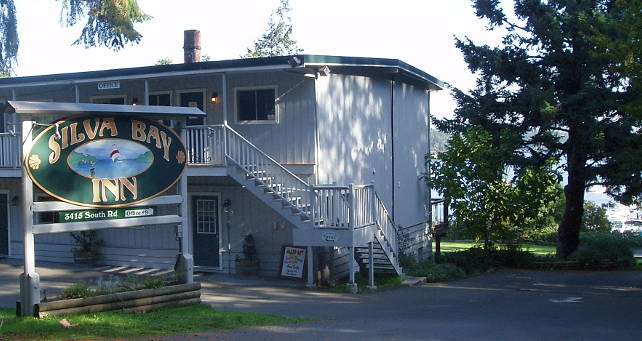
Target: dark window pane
x=162, y=99
x=246, y=105
x=193, y=99
x=109, y=100
x=255, y=105
x=265, y=104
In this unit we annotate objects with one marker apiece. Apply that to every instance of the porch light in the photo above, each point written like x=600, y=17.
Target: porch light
x=135, y=101
x=214, y=97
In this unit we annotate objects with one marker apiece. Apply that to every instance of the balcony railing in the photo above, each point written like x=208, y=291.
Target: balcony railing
x=10, y=150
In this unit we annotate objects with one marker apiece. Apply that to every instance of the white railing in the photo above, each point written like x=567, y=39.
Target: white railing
x=205, y=145
x=386, y=224
x=364, y=205
x=331, y=206
x=282, y=183
x=9, y=150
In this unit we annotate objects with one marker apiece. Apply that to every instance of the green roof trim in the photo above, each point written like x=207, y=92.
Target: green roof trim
x=280, y=62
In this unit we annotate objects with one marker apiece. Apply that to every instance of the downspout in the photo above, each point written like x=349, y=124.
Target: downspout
x=392, y=134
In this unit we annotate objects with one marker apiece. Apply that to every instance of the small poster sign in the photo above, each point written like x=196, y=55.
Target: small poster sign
x=293, y=262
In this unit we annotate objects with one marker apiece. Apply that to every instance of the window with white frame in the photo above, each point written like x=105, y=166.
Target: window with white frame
x=256, y=105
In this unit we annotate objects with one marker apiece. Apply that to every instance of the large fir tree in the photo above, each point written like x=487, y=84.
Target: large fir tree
x=109, y=23
x=552, y=81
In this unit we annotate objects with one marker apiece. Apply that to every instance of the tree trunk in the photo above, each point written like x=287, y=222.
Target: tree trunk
x=569, y=229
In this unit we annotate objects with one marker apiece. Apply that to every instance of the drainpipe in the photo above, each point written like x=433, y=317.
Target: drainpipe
x=392, y=142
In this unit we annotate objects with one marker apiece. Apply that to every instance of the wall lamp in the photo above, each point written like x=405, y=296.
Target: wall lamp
x=135, y=101
x=214, y=97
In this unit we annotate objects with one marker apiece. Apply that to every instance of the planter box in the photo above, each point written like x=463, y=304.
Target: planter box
x=129, y=301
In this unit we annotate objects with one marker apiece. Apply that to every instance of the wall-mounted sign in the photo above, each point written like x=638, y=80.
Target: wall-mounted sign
x=103, y=214
x=293, y=262
x=329, y=236
x=105, y=161
x=108, y=85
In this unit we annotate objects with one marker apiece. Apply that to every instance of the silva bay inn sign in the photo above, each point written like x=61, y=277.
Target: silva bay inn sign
x=105, y=161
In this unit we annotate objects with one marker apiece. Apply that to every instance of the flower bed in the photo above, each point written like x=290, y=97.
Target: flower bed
x=130, y=301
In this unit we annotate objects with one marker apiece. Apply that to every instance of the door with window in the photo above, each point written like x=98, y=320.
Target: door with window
x=4, y=224
x=193, y=99
x=205, y=227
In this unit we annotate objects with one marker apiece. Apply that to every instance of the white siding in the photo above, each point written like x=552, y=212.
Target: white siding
x=354, y=130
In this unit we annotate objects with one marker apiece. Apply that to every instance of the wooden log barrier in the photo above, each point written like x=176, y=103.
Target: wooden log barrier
x=165, y=296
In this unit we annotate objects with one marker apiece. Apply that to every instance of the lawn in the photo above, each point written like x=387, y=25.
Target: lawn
x=197, y=318
x=540, y=250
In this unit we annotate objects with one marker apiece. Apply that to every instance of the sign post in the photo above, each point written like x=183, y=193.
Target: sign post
x=115, y=167
x=29, y=279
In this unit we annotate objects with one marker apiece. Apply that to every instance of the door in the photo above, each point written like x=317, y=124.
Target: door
x=4, y=224
x=205, y=227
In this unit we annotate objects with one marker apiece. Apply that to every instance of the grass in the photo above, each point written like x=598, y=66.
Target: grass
x=197, y=318
x=540, y=250
x=381, y=282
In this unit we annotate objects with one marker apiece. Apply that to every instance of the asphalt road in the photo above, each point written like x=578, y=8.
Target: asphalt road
x=501, y=305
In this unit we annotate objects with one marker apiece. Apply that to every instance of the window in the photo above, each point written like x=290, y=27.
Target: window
x=258, y=105
x=162, y=99
x=108, y=100
x=207, y=216
x=192, y=99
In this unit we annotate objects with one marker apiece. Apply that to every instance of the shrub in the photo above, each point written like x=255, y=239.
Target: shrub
x=443, y=272
x=78, y=290
x=473, y=260
x=596, y=247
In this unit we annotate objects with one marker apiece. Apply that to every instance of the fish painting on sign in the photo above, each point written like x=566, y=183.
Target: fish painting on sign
x=110, y=159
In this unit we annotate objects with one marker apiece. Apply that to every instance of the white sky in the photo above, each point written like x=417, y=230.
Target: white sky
x=419, y=32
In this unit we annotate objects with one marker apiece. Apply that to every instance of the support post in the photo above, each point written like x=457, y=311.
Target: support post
x=371, y=282
x=29, y=279
x=184, y=262
x=352, y=285
x=310, y=269
x=77, y=93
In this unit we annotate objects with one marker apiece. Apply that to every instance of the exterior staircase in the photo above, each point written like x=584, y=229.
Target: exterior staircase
x=346, y=216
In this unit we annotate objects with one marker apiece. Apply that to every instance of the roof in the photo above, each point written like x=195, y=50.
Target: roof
x=301, y=62
x=44, y=108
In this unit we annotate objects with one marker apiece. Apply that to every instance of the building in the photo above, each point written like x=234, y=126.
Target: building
x=324, y=152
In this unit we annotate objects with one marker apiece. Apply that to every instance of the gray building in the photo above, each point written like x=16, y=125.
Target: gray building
x=323, y=152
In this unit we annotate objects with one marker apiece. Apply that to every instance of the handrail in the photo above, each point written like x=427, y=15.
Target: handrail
x=282, y=183
x=263, y=153
x=386, y=224
x=10, y=150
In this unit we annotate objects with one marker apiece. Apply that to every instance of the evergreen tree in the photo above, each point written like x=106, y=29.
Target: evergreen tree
x=109, y=23
x=552, y=82
x=276, y=40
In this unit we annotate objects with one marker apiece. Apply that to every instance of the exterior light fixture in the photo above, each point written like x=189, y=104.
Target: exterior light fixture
x=214, y=97
x=135, y=101
x=310, y=75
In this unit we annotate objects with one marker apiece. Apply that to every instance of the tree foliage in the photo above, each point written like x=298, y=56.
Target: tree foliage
x=594, y=218
x=109, y=23
x=555, y=84
x=276, y=41
x=491, y=203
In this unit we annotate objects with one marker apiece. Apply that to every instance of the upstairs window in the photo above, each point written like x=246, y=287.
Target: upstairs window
x=195, y=99
x=256, y=105
x=108, y=100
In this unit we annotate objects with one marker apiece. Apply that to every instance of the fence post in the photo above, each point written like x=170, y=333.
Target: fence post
x=371, y=283
x=225, y=152
x=313, y=206
x=352, y=285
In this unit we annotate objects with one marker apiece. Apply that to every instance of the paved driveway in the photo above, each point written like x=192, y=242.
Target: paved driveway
x=502, y=305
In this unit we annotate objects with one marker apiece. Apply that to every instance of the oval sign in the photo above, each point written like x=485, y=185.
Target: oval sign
x=106, y=161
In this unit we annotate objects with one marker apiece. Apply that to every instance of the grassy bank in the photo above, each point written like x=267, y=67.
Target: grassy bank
x=108, y=325
x=540, y=250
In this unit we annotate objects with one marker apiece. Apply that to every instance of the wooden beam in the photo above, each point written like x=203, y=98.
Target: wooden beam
x=105, y=224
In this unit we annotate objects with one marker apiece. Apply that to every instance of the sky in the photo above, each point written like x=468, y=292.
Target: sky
x=419, y=32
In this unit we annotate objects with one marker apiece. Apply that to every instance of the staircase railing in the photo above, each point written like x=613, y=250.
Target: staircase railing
x=10, y=150
x=277, y=179
x=331, y=206
x=205, y=145
x=386, y=224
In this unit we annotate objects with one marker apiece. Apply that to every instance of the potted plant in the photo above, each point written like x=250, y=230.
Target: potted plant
x=249, y=264
x=88, y=243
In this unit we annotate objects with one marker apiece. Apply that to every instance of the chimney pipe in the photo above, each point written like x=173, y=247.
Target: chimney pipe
x=192, y=46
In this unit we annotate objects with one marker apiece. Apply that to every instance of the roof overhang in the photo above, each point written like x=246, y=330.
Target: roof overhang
x=69, y=109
